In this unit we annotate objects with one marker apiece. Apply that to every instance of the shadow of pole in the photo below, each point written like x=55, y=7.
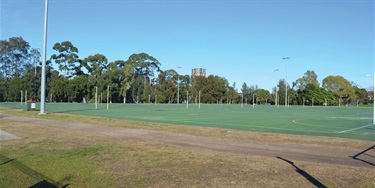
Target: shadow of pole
x=44, y=181
x=355, y=157
x=304, y=174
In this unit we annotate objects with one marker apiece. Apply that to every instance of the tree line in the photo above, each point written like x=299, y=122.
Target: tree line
x=140, y=79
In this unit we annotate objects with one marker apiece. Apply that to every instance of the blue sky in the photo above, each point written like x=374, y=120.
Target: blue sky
x=241, y=40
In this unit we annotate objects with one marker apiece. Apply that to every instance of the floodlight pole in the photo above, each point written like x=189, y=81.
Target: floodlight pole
x=96, y=97
x=253, y=101
x=43, y=84
x=286, y=77
x=199, y=93
x=178, y=87
x=242, y=101
x=107, y=97
x=373, y=113
x=25, y=97
x=303, y=104
x=35, y=81
x=276, y=99
x=276, y=96
x=187, y=99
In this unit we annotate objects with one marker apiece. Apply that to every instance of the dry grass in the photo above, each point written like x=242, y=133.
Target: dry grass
x=83, y=159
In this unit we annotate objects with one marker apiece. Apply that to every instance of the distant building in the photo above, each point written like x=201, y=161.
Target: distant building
x=198, y=72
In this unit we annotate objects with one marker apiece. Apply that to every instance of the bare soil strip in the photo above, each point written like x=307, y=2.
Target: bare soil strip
x=297, y=152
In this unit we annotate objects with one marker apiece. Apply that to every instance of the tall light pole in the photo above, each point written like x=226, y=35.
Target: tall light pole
x=242, y=101
x=43, y=84
x=276, y=103
x=107, y=97
x=35, y=51
x=96, y=97
x=286, y=84
x=178, y=87
x=276, y=99
x=22, y=97
x=373, y=113
x=253, y=100
x=199, y=93
x=303, y=104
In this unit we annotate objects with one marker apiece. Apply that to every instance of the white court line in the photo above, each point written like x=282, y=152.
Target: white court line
x=355, y=128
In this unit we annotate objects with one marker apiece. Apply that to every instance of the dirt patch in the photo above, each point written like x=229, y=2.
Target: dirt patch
x=292, y=151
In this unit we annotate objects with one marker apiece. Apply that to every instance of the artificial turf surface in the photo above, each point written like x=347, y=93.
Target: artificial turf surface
x=343, y=122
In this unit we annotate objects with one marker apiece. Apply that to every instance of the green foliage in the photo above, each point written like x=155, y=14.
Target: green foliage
x=58, y=88
x=213, y=89
x=140, y=78
x=319, y=96
x=14, y=54
x=340, y=87
x=309, y=78
x=67, y=58
x=2, y=90
x=76, y=89
x=262, y=95
x=95, y=65
x=144, y=64
x=281, y=91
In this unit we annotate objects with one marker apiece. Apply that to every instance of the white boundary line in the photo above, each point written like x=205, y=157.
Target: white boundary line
x=355, y=129
x=296, y=121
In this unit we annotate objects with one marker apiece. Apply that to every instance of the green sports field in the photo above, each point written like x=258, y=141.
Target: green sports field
x=343, y=122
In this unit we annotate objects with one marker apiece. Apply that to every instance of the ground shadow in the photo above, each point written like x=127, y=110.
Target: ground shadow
x=43, y=184
x=363, y=153
x=304, y=174
x=44, y=181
